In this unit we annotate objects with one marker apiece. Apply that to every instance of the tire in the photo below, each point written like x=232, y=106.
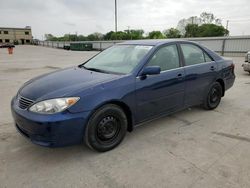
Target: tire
x=213, y=97
x=106, y=128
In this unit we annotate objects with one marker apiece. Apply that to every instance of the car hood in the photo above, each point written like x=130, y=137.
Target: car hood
x=63, y=83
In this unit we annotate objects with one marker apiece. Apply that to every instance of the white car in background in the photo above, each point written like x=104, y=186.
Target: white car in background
x=246, y=65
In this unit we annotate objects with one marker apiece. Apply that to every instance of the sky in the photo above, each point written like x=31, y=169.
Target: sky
x=59, y=17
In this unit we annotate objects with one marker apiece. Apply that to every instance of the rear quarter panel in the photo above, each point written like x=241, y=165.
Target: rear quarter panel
x=226, y=72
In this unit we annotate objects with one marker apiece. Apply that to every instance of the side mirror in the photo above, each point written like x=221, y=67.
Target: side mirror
x=151, y=70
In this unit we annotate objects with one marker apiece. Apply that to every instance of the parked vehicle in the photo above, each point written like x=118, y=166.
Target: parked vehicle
x=246, y=65
x=100, y=100
x=7, y=45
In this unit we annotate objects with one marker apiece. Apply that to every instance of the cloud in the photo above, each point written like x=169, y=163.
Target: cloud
x=69, y=24
x=86, y=16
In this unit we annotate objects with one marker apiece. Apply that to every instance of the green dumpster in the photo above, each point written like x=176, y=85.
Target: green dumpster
x=81, y=46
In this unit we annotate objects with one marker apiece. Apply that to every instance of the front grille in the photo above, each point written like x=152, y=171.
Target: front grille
x=24, y=103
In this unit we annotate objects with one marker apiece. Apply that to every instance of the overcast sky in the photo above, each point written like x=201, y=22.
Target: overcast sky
x=87, y=16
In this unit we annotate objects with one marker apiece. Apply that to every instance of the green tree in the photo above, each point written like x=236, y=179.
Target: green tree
x=107, y=36
x=204, y=18
x=135, y=34
x=212, y=30
x=95, y=36
x=69, y=37
x=184, y=22
x=81, y=38
x=191, y=30
x=172, y=33
x=50, y=37
x=155, y=35
x=120, y=35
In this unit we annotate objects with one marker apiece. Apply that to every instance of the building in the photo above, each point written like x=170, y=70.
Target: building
x=15, y=35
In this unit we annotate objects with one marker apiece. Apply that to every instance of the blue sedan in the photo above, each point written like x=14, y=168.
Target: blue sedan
x=100, y=100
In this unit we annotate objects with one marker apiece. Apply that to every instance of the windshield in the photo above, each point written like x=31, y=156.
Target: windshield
x=121, y=59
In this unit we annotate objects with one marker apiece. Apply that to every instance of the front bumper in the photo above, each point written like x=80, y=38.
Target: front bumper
x=246, y=67
x=54, y=130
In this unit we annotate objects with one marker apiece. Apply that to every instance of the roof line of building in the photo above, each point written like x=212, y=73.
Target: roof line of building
x=24, y=28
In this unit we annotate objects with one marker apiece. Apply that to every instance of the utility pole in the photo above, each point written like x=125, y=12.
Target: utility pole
x=227, y=24
x=116, y=19
x=129, y=32
x=192, y=19
x=128, y=28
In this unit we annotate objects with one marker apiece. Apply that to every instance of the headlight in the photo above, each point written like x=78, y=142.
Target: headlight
x=52, y=106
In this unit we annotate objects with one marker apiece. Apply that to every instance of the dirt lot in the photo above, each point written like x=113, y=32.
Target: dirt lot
x=192, y=148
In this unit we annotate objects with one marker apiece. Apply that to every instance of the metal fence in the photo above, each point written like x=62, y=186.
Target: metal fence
x=226, y=46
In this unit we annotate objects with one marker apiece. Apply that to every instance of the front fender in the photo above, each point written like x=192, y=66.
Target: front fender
x=122, y=90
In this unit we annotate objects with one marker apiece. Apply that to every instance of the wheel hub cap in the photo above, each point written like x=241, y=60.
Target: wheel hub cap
x=107, y=128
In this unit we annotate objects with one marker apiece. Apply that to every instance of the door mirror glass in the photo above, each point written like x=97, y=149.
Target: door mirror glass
x=151, y=70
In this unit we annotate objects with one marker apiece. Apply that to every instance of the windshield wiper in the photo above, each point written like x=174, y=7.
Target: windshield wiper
x=95, y=69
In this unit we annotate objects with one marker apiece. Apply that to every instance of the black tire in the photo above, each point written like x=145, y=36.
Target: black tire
x=213, y=97
x=106, y=128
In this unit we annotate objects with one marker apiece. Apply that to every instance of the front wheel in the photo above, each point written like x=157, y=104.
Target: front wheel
x=213, y=97
x=106, y=128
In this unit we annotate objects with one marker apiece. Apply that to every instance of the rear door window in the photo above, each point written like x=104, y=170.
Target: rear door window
x=194, y=55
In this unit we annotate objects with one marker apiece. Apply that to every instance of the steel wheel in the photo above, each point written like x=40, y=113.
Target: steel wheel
x=106, y=128
x=213, y=97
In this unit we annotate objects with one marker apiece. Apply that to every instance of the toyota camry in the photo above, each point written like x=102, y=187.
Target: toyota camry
x=98, y=101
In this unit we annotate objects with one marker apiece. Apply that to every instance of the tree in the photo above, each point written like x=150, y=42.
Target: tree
x=120, y=35
x=205, y=30
x=209, y=18
x=50, y=37
x=155, y=35
x=95, y=36
x=81, y=38
x=172, y=33
x=68, y=37
x=135, y=34
x=99, y=36
x=212, y=30
x=191, y=30
x=107, y=36
x=184, y=22
x=204, y=18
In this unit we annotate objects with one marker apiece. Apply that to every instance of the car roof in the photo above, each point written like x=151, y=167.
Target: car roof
x=158, y=42
x=152, y=42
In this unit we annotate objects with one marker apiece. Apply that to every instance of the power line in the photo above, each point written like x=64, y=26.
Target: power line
x=238, y=19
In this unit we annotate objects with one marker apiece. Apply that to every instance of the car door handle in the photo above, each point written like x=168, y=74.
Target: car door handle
x=212, y=68
x=179, y=76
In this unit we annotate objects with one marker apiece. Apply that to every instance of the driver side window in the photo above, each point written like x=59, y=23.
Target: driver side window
x=166, y=58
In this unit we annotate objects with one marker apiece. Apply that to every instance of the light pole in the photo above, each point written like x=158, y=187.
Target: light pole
x=115, y=19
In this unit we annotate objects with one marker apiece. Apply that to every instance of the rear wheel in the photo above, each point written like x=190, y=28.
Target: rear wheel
x=106, y=128
x=213, y=97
